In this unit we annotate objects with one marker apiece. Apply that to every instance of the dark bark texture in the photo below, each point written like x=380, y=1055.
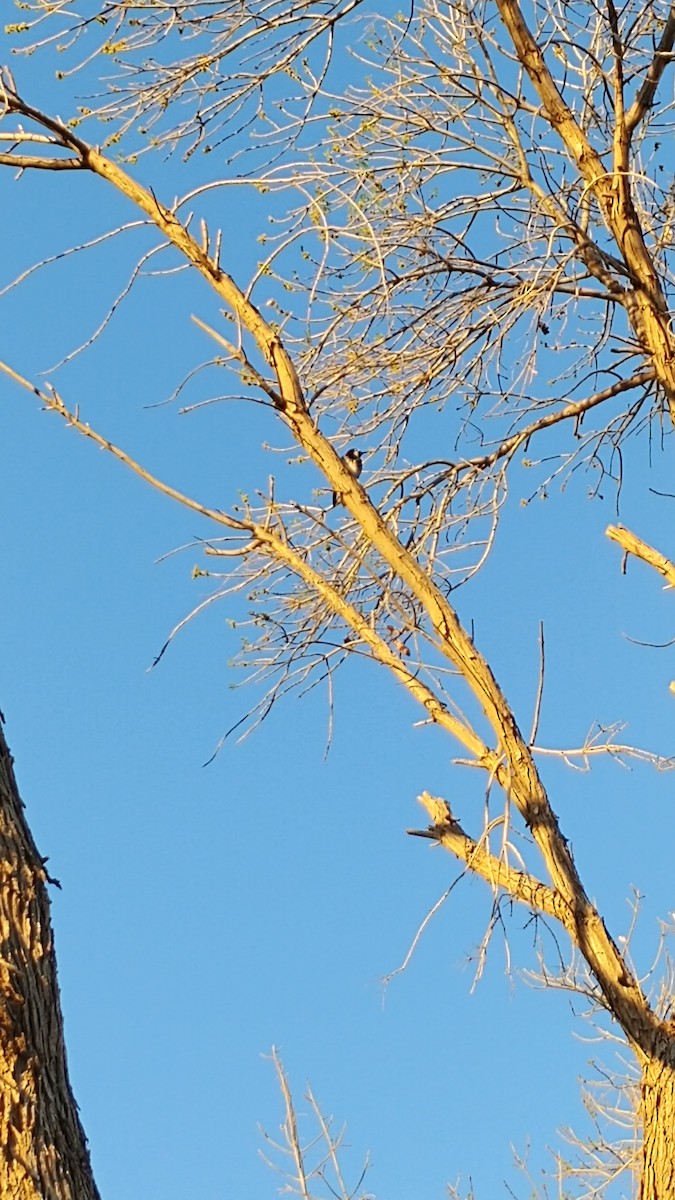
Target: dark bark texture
x=43, y=1149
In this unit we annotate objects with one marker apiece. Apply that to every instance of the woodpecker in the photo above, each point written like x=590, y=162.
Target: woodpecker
x=353, y=461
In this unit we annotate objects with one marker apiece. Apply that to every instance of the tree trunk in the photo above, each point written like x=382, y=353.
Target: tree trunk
x=43, y=1150
x=658, y=1127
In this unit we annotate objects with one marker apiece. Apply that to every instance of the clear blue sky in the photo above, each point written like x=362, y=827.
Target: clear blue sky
x=209, y=913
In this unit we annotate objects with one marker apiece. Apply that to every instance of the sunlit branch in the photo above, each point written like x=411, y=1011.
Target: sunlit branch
x=439, y=336
x=663, y=57
x=632, y=544
x=33, y=162
x=264, y=540
x=446, y=830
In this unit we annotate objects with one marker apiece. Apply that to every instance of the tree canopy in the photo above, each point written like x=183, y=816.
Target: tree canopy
x=464, y=218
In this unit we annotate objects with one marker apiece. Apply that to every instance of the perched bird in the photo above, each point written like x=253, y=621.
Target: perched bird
x=353, y=461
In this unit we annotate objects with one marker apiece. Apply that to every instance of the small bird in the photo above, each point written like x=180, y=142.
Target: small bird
x=353, y=461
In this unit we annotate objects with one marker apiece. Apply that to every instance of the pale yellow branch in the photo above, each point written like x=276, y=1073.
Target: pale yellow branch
x=662, y=58
x=511, y=763
x=527, y=889
x=263, y=540
x=645, y=302
x=634, y=545
x=53, y=401
x=557, y=111
x=291, y=1127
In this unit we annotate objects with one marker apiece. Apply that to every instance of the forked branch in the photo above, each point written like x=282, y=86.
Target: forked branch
x=509, y=761
x=447, y=831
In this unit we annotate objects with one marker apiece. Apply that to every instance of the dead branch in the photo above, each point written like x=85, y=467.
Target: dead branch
x=447, y=831
x=632, y=544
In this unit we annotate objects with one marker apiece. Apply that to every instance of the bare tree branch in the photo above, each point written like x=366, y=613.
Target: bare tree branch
x=446, y=829
x=440, y=240
x=632, y=544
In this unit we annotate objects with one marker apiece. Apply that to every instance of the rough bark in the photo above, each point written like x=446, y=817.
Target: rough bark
x=43, y=1149
x=509, y=761
x=658, y=1126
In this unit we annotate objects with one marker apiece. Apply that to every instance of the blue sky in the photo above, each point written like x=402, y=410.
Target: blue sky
x=210, y=913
